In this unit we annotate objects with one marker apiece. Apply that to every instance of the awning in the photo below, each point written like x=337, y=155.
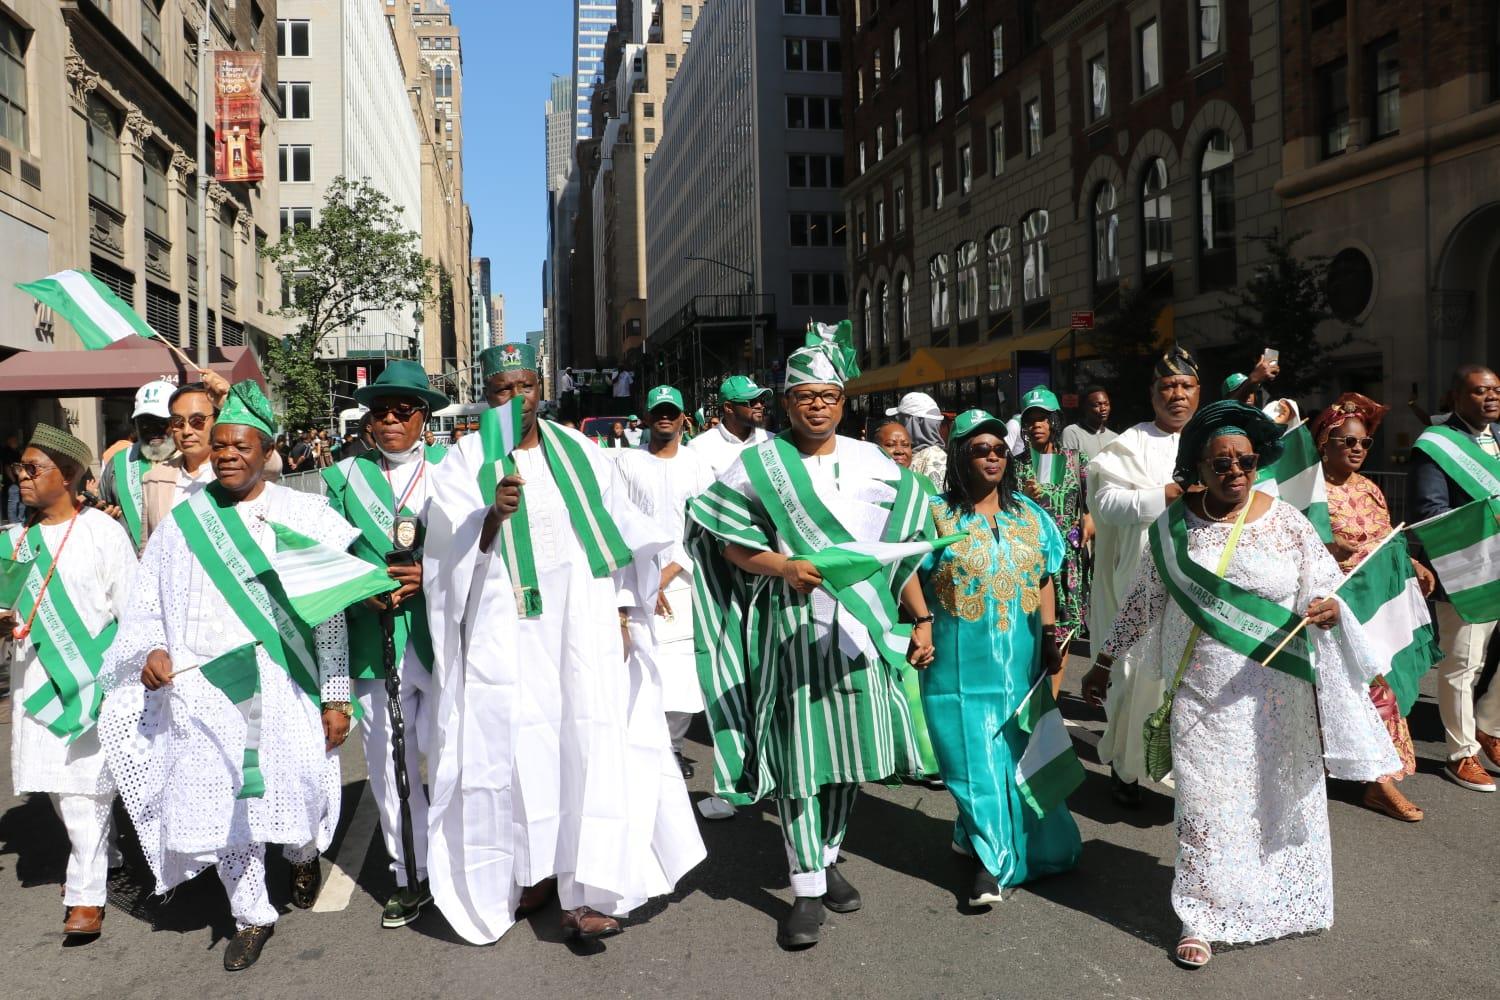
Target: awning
x=929, y=365
x=117, y=370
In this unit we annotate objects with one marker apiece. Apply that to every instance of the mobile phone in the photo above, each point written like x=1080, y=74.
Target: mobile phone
x=1271, y=355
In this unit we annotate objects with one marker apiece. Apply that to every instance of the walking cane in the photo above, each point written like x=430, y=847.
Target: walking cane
x=404, y=553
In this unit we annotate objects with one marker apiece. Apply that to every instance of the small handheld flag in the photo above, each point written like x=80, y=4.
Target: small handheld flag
x=319, y=580
x=237, y=674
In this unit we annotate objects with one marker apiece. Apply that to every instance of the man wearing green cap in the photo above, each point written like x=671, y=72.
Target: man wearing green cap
x=550, y=777
x=742, y=410
x=371, y=491
x=179, y=746
x=804, y=699
x=65, y=577
x=661, y=478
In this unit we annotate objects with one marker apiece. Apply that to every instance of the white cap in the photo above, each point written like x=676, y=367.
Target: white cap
x=151, y=400
x=916, y=404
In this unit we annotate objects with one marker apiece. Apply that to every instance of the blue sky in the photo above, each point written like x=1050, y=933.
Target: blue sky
x=511, y=51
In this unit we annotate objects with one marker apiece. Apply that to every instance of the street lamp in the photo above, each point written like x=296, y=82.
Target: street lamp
x=756, y=337
x=732, y=267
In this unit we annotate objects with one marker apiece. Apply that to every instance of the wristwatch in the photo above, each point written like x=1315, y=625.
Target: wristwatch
x=347, y=708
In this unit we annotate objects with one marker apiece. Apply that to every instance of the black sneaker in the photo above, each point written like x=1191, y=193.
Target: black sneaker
x=1127, y=794
x=801, y=927
x=405, y=906
x=986, y=891
x=683, y=765
x=244, y=948
x=840, y=896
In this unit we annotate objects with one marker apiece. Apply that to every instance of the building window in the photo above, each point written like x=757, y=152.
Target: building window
x=965, y=169
x=1385, y=88
x=226, y=244
x=965, y=79
x=1106, y=225
x=814, y=170
x=296, y=164
x=861, y=156
x=104, y=153
x=819, y=288
x=190, y=64
x=650, y=134
x=1210, y=22
x=896, y=49
x=997, y=50
x=883, y=312
x=900, y=129
x=1033, y=128
x=291, y=218
x=650, y=110
x=862, y=231
x=811, y=8
x=296, y=100
x=687, y=12
x=997, y=267
x=687, y=36
x=13, y=40
x=903, y=309
x=671, y=60
x=1156, y=216
x=1148, y=53
x=937, y=275
x=1216, y=237
x=1098, y=77
x=292, y=38
x=192, y=232
x=154, y=189
x=937, y=185
x=867, y=335
x=967, y=257
x=879, y=220
x=879, y=143
x=899, y=196
x=151, y=33
x=1036, y=282
x=442, y=80
x=812, y=55
x=937, y=99
x=997, y=149
x=875, y=69
x=1333, y=106
x=937, y=16
x=1031, y=26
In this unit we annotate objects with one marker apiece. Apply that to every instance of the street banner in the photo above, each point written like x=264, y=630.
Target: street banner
x=237, y=152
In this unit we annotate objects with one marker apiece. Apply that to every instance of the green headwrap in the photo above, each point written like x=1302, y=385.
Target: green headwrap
x=248, y=406
x=828, y=359
x=1219, y=419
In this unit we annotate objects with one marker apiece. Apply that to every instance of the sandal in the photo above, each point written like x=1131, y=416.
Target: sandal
x=1188, y=951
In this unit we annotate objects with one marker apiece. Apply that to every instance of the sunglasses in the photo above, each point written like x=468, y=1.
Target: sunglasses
x=197, y=421
x=985, y=450
x=1223, y=465
x=30, y=469
x=1351, y=442
x=830, y=397
x=403, y=411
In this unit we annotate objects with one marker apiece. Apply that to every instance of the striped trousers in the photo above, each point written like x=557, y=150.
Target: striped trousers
x=814, y=828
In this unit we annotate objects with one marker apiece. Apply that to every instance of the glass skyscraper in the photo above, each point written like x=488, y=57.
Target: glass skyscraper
x=592, y=20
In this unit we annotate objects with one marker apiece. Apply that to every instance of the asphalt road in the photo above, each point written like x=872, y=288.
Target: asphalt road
x=1414, y=908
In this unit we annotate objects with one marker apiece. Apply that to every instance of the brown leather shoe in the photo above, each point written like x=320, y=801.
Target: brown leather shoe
x=307, y=881
x=244, y=948
x=83, y=921
x=1385, y=797
x=1469, y=774
x=536, y=897
x=1489, y=751
x=588, y=924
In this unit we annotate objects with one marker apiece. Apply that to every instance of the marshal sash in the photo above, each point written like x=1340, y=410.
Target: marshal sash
x=130, y=493
x=1461, y=458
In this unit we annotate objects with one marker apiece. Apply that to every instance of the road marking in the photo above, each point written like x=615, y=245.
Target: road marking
x=338, y=887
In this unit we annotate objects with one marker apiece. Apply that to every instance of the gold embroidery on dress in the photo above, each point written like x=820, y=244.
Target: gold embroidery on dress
x=969, y=570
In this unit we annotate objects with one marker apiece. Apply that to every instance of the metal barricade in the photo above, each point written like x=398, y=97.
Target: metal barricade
x=305, y=482
x=1393, y=485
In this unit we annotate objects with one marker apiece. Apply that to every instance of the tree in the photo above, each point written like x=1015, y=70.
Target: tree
x=1283, y=307
x=1129, y=344
x=357, y=259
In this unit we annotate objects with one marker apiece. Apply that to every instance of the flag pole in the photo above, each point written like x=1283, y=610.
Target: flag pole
x=1362, y=563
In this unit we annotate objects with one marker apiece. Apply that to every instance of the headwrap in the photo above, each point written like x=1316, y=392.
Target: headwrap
x=1224, y=417
x=248, y=406
x=49, y=438
x=1346, y=407
x=828, y=359
x=1176, y=361
x=507, y=358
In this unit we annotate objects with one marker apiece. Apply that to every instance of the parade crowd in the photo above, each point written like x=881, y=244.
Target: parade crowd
x=547, y=617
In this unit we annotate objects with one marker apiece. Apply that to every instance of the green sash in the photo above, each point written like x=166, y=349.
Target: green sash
x=129, y=492
x=238, y=569
x=1461, y=458
x=365, y=500
x=603, y=545
x=1244, y=621
x=68, y=705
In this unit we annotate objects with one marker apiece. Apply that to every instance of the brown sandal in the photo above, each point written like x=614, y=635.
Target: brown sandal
x=1385, y=797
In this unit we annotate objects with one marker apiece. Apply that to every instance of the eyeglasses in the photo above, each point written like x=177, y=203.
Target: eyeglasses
x=197, y=421
x=30, y=469
x=403, y=411
x=804, y=398
x=1351, y=442
x=985, y=450
x=1225, y=464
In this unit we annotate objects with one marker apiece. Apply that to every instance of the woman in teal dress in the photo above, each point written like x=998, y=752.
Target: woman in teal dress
x=993, y=634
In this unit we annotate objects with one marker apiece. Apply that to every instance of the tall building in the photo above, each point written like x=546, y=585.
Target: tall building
x=558, y=124
x=497, y=318
x=479, y=308
x=592, y=20
x=734, y=189
x=97, y=172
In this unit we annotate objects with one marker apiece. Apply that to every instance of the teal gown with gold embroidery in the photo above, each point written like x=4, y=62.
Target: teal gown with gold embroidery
x=984, y=595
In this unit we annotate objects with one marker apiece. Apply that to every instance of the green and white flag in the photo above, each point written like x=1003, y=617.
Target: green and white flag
x=500, y=428
x=1384, y=596
x=1049, y=467
x=842, y=566
x=1464, y=546
x=12, y=580
x=237, y=674
x=1048, y=770
x=319, y=580
x=1297, y=478
x=99, y=316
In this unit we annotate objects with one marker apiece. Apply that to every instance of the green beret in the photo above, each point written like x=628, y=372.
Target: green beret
x=50, y=439
x=1227, y=416
x=507, y=358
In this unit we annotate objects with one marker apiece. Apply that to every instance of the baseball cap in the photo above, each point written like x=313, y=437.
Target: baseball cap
x=663, y=395
x=1040, y=398
x=740, y=389
x=973, y=421
x=1233, y=382
x=916, y=404
x=151, y=400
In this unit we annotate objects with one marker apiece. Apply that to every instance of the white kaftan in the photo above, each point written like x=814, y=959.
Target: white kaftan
x=1250, y=743
x=551, y=751
x=719, y=448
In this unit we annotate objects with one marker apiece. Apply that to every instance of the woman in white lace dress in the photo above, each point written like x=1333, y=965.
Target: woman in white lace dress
x=1250, y=743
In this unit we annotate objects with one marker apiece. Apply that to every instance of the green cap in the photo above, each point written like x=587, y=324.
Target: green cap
x=248, y=406
x=1233, y=382
x=1040, y=398
x=49, y=438
x=663, y=395
x=740, y=389
x=508, y=358
x=634, y=417
x=973, y=421
x=401, y=378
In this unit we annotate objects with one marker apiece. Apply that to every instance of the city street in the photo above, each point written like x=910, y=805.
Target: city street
x=1414, y=907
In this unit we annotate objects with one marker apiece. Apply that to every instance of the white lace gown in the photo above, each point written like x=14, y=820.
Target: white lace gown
x=1253, y=858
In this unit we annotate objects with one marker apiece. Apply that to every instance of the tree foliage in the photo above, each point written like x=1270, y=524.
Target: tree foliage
x=358, y=258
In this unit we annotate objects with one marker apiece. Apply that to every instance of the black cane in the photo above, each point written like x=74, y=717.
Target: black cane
x=399, y=556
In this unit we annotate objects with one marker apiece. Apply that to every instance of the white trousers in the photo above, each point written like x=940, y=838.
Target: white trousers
x=242, y=870
x=87, y=820
x=1463, y=645
x=375, y=733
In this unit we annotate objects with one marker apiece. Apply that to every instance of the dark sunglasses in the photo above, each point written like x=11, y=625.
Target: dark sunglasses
x=31, y=469
x=1351, y=441
x=1225, y=464
x=983, y=450
x=197, y=421
x=403, y=411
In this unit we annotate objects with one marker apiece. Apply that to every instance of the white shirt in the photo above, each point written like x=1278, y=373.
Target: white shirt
x=565, y=383
x=405, y=472
x=189, y=483
x=633, y=436
x=623, y=381
x=719, y=448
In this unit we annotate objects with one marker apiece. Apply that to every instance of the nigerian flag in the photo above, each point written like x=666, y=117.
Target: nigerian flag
x=319, y=580
x=1464, y=546
x=1048, y=770
x=237, y=674
x=12, y=581
x=99, y=316
x=1384, y=596
x=1297, y=478
x=500, y=428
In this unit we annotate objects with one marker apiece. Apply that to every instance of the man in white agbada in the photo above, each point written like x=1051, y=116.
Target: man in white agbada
x=178, y=747
x=742, y=415
x=661, y=478
x=67, y=620
x=1130, y=484
x=553, y=769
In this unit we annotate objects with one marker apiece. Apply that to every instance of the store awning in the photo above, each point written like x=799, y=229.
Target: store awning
x=117, y=370
x=929, y=365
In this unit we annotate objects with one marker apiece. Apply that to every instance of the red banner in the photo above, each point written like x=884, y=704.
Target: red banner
x=237, y=153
